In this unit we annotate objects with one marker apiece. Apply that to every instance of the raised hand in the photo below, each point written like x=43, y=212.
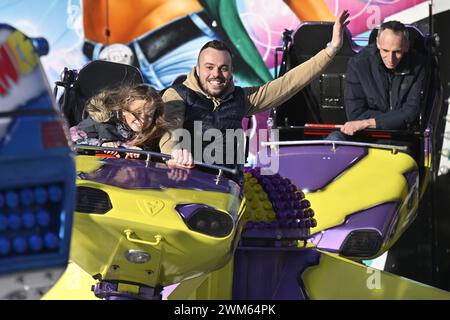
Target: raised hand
x=338, y=29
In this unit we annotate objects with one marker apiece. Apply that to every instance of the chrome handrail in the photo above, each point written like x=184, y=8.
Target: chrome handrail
x=334, y=143
x=149, y=154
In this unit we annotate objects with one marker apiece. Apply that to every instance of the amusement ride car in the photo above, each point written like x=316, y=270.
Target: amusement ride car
x=138, y=234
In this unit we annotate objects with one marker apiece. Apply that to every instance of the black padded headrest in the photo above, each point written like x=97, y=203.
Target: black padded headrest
x=416, y=38
x=98, y=75
x=313, y=36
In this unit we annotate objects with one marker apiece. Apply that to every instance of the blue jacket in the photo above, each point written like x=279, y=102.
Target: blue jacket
x=366, y=89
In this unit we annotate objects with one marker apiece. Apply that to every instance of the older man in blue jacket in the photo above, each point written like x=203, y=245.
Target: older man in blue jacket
x=383, y=84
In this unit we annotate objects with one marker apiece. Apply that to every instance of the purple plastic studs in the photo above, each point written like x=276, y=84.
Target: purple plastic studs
x=292, y=210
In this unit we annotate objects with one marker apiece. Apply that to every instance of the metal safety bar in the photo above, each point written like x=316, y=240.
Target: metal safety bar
x=149, y=154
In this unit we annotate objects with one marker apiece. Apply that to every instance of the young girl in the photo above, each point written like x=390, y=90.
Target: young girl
x=130, y=117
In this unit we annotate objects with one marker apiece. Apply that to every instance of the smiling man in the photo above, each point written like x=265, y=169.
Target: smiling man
x=214, y=69
x=208, y=100
x=383, y=84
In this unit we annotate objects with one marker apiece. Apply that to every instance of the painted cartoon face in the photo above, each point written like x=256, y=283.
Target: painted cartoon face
x=139, y=116
x=214, y=71
x=392, y=48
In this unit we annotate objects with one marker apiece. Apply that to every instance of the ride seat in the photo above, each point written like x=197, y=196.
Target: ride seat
x=322, y=101
x=91, y=79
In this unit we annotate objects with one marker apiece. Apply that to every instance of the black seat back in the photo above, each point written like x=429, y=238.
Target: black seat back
x=322, y=101
x=92, y=78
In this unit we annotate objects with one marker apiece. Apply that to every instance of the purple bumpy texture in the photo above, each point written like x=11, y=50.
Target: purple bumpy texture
x=293, y=215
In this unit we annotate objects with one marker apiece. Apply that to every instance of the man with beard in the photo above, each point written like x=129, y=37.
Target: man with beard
x=208, y=98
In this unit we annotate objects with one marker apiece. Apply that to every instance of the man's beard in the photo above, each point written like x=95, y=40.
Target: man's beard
x=215, y=94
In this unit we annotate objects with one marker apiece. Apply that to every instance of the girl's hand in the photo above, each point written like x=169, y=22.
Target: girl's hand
x=112, y=144
x=130, y=155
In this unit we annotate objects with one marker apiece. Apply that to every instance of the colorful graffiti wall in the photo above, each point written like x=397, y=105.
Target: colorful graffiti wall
x=68, y=24
x=162, y=37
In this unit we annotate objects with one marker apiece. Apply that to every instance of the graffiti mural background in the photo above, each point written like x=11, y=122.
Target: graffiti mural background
x=164, y=36
x=61, y=21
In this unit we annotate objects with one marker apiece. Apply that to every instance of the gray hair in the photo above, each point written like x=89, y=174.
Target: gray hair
x=396, y=27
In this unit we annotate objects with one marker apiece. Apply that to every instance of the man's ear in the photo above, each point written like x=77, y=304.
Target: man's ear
x=378, y=43
x=197, y=71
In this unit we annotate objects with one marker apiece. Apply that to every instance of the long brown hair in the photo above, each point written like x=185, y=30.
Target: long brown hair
x=103, y=106
x=159, y=125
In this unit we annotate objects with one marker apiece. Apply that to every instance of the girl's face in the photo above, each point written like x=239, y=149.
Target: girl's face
x=139, y=116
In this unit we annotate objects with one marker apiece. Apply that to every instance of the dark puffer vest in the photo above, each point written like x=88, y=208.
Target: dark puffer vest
x=228, y=115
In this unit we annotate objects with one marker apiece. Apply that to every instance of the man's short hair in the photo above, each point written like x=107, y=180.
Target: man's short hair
x=216, y=44
x=395, y=26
